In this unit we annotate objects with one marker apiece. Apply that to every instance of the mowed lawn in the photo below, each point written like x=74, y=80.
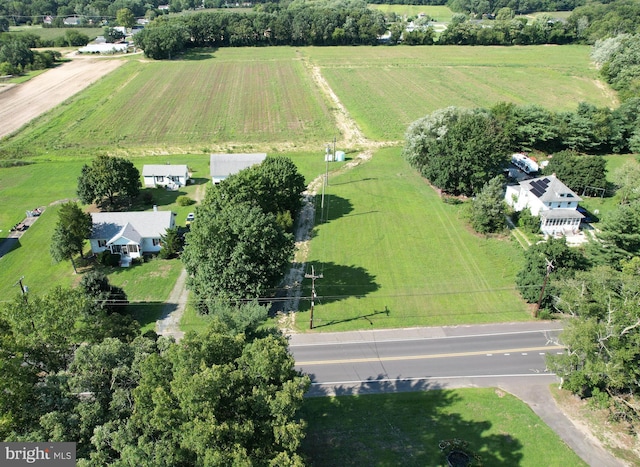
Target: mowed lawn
x=386, y=88
x=236, y=98
x=405, y=429
x=393, y=254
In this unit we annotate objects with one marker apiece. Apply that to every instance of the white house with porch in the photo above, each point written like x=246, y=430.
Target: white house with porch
x=551, y=200
x=223, y=165
x=129, y=234
x=170, y=176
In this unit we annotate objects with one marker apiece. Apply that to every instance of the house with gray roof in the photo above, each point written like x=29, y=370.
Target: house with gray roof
x=223, y=165
x=129, y=234
x=551, y=200
x=170, y=176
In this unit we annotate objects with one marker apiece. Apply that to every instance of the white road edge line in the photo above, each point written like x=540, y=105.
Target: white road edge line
x=393, y=380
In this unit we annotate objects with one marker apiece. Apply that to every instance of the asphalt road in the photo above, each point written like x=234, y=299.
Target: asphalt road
x=510, y=356
x=413, y=359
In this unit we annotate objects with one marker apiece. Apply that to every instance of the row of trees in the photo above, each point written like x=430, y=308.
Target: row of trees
x=239, y=246
x=542, y=30
x=479, y=8
x=17, y=57
x=459, y=150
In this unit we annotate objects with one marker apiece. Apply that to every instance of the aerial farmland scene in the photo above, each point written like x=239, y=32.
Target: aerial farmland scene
x=323, y=233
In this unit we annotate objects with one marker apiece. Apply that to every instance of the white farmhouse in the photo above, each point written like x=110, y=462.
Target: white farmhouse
x=551, y=200
x=170, y=176
x=223, y=165
x=129, y=234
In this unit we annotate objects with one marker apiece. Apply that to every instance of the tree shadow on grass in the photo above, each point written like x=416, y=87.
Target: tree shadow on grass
x=147, y=312
x=379, y=420
x=199, y=54
x=334, y=207
x=339, y=282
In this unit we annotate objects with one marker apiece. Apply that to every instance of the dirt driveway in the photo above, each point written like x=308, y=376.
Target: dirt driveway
x=21, y=103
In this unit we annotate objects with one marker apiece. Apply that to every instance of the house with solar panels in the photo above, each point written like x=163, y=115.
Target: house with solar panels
x=551, y=200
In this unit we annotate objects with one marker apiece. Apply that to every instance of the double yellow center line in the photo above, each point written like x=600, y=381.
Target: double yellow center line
x=545, y=348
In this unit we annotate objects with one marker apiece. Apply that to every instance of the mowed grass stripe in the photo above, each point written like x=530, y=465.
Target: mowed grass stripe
x=389, y=243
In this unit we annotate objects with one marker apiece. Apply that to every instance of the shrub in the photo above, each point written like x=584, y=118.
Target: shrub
x=529, y=222
x=184, y=200
x=106, y=258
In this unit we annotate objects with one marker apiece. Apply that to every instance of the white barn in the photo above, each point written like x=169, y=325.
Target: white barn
x=170, y=176
x=129, y=234
x=551, y=200
x=223, y=165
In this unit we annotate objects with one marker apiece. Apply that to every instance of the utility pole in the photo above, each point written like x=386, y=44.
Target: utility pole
x=313, y=278
x=326, y=174
x=23, y=289
x=544, y=284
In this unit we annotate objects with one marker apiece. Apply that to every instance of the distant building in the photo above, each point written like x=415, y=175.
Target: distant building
x=223, y=165
x=551, y=200
x=72, y=21
x=167, y=175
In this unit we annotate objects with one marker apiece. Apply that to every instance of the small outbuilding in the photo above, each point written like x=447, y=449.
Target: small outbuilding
x=223, y=165
x=170, y=176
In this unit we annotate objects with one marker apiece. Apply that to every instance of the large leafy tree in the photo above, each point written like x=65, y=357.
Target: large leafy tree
x=162, y=41
x=106, y=296
x=126, y=18
x=237, y=252
x=488, y=208
x=458, y=151
x=602, y=340
x=109, y=181
x=221, y=397
x=564, y=260
x=73, y=228
x=275, y=186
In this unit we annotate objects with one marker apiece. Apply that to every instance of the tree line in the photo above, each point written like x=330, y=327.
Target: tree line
x=17, y=56
x=459, y=150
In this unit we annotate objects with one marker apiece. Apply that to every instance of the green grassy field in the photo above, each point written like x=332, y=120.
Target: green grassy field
x=390, y=243
x=406, y=428
x=386, y=88
x=52, y=33
x=439, y=13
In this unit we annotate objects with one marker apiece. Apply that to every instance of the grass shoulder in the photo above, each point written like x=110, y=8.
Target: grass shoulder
x=406, y=429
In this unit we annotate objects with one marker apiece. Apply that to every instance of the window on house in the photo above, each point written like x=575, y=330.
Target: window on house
x=116, y=248
x=156, y=241
x=102, y=243
x=159, y=178
x=133, y=248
